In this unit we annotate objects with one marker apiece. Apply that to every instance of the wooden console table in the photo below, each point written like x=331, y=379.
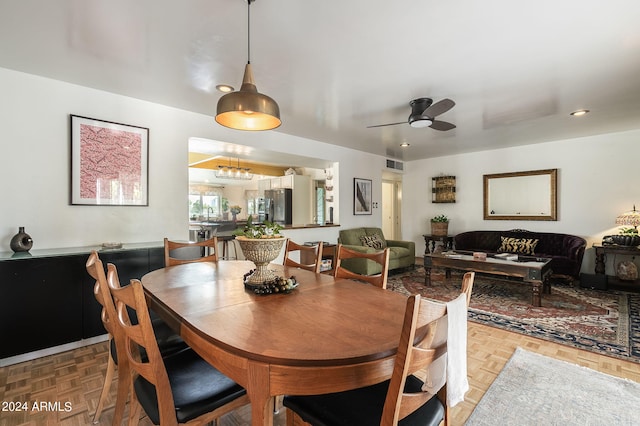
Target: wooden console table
x=430, y=242
x=601, y=257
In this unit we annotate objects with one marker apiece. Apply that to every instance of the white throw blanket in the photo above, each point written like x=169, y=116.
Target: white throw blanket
x=452, y=368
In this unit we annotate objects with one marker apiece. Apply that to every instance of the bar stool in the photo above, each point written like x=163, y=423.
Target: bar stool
x=225, y=239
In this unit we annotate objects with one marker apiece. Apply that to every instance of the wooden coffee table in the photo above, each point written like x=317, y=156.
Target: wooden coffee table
x=532, y=270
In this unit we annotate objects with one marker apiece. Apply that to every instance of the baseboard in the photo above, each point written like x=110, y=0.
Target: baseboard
x=52, y=351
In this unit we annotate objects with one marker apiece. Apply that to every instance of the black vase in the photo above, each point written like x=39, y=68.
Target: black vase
x=21, y=241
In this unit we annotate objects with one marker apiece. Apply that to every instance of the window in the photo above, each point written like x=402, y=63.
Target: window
x=204, y=202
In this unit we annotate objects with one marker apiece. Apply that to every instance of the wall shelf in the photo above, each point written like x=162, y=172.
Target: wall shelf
x=443, y=189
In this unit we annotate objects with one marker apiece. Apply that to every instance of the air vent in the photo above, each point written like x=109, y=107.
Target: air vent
x=396, y=165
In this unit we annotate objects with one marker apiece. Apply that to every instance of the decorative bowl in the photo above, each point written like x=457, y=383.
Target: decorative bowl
x=261, y=251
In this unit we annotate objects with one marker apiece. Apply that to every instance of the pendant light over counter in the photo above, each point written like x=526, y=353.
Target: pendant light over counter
x=247, y=109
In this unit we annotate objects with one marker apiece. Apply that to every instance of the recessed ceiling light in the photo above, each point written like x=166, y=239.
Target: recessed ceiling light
x=225, y=88
x=579, y=112
x=404, y=144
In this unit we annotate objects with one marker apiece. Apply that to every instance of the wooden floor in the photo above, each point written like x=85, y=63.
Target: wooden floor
x=76, y=377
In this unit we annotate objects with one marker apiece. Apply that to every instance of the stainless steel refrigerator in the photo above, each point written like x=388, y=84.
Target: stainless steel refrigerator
x=280, y=205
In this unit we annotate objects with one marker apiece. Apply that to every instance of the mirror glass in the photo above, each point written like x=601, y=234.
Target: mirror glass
x=521, y=195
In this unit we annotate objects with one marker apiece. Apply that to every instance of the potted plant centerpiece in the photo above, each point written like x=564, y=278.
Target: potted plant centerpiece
x=440, y=226
x=260, y=243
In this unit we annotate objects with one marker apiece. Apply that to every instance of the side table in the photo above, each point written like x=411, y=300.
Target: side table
x=601, y=257
x=430, y=242
x=328, y=252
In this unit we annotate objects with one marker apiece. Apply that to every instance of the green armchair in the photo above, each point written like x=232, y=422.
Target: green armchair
x=402, y=254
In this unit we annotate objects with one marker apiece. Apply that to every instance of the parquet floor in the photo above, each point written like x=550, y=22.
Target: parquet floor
x=75, y=377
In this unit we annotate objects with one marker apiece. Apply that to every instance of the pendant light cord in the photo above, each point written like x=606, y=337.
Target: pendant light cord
x=249, y=31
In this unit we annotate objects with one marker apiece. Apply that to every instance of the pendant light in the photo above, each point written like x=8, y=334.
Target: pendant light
x=247, y=109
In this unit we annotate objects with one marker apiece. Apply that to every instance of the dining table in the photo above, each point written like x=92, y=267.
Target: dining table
x=326, y=335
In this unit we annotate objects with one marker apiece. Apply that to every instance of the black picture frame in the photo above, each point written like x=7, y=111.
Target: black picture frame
x=362, y=196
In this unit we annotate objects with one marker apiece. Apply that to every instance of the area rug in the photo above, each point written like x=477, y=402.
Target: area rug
x=533, y=389
x=605, y=322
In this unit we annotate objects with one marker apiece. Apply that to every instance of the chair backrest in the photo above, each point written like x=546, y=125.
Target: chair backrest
x=139, y=337
x=196, y=251
x=306, y=252
x=381, y=257
x=95, y=268
x=422, y=341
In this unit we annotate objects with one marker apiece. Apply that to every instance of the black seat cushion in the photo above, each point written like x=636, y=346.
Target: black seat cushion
x=197, y=388
x=361, y=406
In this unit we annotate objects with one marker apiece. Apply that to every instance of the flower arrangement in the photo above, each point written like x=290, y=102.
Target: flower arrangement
x=259, y=231
x=235, y=209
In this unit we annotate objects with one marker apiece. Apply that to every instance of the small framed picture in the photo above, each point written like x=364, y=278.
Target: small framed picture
x=361, y=196
x=109, y=163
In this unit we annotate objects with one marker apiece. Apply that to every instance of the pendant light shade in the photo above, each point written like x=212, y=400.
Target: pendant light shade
x=248, y=109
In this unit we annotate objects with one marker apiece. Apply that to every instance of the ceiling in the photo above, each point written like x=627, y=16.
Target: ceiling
x=515, y=69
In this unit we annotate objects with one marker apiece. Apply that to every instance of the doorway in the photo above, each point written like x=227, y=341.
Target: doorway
x=391, y=206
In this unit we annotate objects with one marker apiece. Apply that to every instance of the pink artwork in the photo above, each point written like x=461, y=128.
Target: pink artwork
x=110, y=163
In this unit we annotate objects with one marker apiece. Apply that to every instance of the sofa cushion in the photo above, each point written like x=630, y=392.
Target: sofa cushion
x=351, y=237
x=374, y=241
x=399, y=252
x=518, y=245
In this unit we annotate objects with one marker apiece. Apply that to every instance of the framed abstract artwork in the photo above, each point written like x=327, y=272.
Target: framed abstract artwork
x=361, y=196
x=109, y=163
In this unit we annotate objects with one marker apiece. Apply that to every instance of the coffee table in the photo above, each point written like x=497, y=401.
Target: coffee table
x=532, y=270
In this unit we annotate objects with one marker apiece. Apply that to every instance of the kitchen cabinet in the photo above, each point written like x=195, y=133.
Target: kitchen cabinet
x=46, y=296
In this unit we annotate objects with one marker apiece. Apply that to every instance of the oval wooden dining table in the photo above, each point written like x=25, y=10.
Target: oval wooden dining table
x=327, y=335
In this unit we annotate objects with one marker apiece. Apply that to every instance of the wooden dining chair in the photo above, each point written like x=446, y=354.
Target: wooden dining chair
x=179, y=252
x=381, y=257
x=101, y=292
x=176, y=389
x=305, y=252
x=399, y=400
x=168, y=341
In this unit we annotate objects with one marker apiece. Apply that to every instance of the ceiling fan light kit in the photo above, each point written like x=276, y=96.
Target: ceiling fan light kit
x=423, y=113
x=248, y=109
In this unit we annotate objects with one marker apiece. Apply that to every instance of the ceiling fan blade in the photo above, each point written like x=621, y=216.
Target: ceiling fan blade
x=388, y=124
x=439, y=107
x=442, y=125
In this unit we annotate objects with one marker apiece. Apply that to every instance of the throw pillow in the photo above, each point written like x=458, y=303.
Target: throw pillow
x=373, y=241
x=518, y=245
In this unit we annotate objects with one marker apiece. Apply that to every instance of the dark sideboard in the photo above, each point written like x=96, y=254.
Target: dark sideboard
x=46, y=296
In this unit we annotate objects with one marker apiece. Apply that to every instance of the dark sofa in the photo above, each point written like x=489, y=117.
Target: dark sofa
x=564, y=250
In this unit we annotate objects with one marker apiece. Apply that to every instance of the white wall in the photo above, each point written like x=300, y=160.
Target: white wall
x=34, y=166
x=598, y=178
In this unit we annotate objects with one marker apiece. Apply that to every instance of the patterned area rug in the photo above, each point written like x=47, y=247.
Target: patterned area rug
x=534, y=390
x=606, y=322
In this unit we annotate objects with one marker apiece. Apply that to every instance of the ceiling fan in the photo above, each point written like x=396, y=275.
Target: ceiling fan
x=423, y=113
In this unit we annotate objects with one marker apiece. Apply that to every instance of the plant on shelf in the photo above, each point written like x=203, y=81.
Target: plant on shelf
x=628, y=231
x=259, y=231
x=440, y=219
x=235, y=209
x=439, y=225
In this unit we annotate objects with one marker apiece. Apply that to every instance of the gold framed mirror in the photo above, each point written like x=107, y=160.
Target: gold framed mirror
x=530, y=195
